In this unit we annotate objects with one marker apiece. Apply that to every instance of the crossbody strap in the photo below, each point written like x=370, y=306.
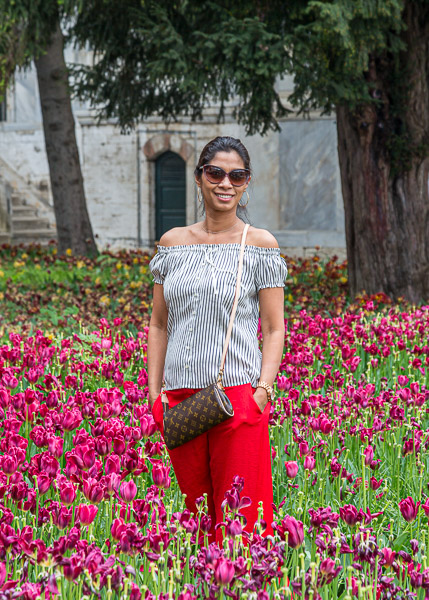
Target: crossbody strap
x=234, y=306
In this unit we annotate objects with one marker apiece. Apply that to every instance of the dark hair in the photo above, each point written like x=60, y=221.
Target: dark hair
x=224, y=144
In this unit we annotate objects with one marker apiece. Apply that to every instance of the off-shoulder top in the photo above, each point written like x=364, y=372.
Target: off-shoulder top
x=199, y=286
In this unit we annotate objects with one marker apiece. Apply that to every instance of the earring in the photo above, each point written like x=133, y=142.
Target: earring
x=199, y=195
x=248, y=198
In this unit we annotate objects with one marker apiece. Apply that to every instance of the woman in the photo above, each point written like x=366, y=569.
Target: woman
x=195, y=273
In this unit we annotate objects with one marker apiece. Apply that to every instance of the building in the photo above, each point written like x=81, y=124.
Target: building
x=139, y=184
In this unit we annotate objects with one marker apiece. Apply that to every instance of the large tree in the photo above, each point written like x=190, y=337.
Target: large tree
x=366, y=60
x=37, y=33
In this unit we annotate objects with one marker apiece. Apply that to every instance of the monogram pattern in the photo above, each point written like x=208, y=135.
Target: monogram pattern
x=196, y=415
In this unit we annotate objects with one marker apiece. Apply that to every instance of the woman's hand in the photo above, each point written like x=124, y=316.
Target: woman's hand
x=152, y=398
x=261, y=398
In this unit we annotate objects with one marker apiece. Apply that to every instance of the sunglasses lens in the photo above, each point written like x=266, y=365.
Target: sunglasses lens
x=214, y=174
x=238, y=177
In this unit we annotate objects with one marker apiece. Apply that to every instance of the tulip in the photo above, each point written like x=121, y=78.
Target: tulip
x=128, y=491
x=117, y=529
x=9, y=464
x=224, y=571
x=291, y=469
x=87, y=513
x=389, y=556
x=350, y=515
x=409, y=509
x=294, y=530
x=374, y=484
x=369, y=455
x=309, y=463
x=425, y=507
x=160, y=475
x=43, y=483
x=67, y=493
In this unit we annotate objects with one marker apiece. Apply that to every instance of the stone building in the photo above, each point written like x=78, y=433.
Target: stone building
x=139, y=184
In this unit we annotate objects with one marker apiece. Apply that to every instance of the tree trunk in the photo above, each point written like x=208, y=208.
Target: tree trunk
x=73, y=225
x=386, y=208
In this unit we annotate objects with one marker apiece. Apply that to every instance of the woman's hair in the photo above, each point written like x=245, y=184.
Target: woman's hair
x=224, y=144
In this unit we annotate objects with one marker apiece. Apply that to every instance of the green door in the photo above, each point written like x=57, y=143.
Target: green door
x=170, y=193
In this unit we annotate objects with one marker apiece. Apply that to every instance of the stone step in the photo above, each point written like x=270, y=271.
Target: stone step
x=26, y=236
x=32, y=223
x=17, y=200
x=4, y=237
x=24, y=210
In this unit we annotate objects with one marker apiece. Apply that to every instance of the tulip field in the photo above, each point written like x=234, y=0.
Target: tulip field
x=89, y=506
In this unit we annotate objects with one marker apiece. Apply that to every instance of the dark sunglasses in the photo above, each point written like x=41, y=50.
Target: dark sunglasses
x=216, y=175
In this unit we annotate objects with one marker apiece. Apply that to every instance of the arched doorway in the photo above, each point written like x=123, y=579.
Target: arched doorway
x=170, y=193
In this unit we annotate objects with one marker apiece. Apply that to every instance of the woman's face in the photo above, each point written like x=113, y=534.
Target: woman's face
x=223, y=196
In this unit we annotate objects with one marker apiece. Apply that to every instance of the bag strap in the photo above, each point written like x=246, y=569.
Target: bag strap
x=164, y=398
x=234, y=306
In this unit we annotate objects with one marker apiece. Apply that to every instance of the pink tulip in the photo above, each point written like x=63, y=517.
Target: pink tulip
x=86, y=513
x=67, y=493
x=43, y=483
x=309, y=463
x=409, y=509
x=128, y=490
x=160, y=475
x=224, y=571
x=292, y=529
x=291, y=469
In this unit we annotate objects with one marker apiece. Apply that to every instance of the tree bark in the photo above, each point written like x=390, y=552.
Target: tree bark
x=73, y=224
x=386, y=209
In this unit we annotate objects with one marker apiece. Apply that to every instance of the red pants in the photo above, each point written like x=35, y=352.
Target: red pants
x=238, y=446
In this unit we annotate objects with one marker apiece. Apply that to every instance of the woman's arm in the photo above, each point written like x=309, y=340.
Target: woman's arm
x=157, y=343
x=271, y=306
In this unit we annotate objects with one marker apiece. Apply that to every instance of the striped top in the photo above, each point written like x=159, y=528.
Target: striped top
x=199, y=287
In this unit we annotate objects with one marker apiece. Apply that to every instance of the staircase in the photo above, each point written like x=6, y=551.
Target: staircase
x=26, y=217
x=27, y=225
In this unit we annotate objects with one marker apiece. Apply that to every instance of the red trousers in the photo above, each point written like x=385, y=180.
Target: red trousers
x=238, y=446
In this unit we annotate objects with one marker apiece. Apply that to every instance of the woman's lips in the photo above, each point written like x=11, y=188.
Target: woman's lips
x=224, y=197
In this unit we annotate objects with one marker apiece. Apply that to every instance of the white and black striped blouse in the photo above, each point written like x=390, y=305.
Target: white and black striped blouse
x=199, y=286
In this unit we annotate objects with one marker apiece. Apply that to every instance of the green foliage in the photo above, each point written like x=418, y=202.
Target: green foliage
x=174, y=58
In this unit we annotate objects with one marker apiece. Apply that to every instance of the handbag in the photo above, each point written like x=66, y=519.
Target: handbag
x=209, y=406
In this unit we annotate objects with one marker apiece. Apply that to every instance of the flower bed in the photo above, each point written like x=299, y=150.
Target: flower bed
x=90, y=507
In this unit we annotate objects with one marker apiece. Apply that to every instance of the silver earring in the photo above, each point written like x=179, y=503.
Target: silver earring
x=199, y=195
x=248, y=198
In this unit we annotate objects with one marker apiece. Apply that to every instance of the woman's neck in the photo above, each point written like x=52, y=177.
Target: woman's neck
x=220, y=223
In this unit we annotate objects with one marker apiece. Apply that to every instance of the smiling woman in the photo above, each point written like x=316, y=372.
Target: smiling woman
x=195, y=275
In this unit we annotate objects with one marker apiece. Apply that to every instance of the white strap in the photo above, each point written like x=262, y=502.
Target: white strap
x=234, y=306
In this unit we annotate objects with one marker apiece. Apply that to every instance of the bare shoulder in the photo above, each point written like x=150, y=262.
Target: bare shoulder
x=262, y=238
x=175, y=237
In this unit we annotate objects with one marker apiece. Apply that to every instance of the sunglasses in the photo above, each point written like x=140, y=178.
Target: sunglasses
x=216, y=175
